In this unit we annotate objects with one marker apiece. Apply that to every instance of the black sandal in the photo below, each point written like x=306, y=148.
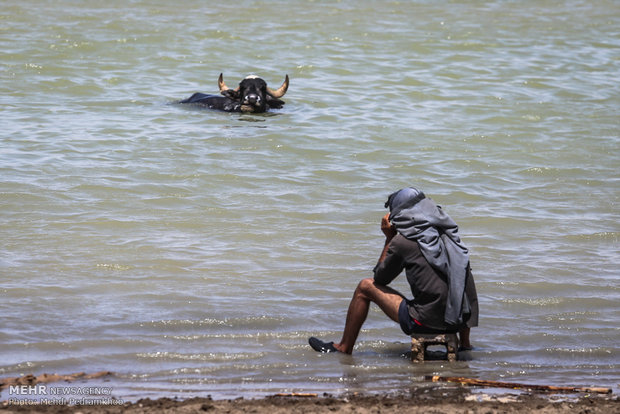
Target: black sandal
x=320, y=346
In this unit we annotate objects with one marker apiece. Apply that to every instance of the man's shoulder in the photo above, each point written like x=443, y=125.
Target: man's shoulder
x=405, y=247
x=400, y=241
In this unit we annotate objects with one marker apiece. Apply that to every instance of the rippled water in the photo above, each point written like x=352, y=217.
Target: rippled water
x=192, y=252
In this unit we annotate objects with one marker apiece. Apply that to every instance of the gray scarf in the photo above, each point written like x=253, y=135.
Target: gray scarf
x=418, y=218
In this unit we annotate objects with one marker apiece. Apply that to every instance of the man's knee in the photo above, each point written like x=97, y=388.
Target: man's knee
x=365, y=286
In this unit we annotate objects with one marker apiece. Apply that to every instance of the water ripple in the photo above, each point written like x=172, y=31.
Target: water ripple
x=161, y=241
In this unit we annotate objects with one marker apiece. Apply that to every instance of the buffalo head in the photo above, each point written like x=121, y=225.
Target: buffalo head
x=253, y=94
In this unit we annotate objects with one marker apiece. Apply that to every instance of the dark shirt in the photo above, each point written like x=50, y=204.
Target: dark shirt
x=429, y=287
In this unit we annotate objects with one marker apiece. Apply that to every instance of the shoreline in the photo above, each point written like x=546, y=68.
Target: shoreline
x=79, y=394
x=449, y=401
x=437, y=399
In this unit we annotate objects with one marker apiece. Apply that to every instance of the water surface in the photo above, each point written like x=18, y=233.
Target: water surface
x=193, y=252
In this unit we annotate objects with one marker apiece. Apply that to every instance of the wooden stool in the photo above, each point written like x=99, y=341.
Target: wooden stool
x=419, y=342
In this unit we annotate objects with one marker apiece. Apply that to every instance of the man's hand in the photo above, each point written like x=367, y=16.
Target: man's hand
x=387, y=228
x=390, y=232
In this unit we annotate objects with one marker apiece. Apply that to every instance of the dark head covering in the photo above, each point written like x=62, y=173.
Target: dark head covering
x=404, y=198
x=418, y=218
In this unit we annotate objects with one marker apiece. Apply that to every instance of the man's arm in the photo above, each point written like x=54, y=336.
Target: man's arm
x=389, y=231
x=386, y=272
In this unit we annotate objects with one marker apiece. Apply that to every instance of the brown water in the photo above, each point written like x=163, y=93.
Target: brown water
x=194, y=252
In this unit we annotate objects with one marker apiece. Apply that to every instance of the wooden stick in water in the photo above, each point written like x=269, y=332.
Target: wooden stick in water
x=513, y=385
x=296, y=394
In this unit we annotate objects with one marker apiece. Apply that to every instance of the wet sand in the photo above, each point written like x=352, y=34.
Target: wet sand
x=439, y=400
x=431, y=398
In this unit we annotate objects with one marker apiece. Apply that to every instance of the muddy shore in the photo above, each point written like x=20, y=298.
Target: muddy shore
x=434, y=398
x=450, y=401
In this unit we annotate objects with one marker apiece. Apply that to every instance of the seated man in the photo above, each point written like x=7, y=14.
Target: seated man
x=423, y=240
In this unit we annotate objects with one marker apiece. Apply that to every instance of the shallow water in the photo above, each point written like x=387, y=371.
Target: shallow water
x=193, y=252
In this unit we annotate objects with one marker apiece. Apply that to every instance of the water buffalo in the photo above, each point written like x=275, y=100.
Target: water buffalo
x=252, y=95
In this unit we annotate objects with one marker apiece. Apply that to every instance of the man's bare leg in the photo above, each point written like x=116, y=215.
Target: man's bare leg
x=367, y=291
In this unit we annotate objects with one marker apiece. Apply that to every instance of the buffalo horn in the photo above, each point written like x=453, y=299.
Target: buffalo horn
x=278, y=93
x=222, y=85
